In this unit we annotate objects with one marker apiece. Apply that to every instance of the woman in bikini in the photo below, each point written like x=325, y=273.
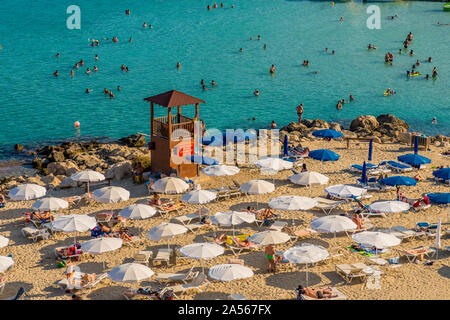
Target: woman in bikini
x=270, y=256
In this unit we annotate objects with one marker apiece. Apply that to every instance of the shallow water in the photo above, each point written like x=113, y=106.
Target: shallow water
x=35, y=106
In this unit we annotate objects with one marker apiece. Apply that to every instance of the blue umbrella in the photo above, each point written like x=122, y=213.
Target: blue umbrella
x=285, y=145
x=416, y=145
x=324, y=155
x=441, y=198
x=443, y=173
x=327, y=133
x=398, y=181
x=413, y=159
x=370, y=150
x=364, y=173
x=202, y=160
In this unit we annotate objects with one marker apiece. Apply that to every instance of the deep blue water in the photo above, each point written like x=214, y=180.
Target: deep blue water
x=35, y=106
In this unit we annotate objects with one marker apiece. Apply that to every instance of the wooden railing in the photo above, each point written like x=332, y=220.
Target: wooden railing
x=161, y=125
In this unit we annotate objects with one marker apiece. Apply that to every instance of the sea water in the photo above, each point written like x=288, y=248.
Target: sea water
x=35, y=106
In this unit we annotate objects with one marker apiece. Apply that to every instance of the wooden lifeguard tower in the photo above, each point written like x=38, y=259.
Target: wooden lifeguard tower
x=164, y=142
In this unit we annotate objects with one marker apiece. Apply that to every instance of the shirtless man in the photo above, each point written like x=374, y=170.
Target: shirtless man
x=300, y=113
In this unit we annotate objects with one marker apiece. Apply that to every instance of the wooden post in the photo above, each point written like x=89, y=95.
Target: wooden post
x=196, y=112
x=179, y=114
x=169, y=122
x=152, y=117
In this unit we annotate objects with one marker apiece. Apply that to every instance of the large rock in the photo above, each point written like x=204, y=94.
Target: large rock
x=308, y=122
x=36, y=180
x=335, y=126
x=68, y=183
x=390, y=129
x=18, y=147
x=72, y=150
x=87, y=160
x=119, y=171
x=367, y=123
x=134, y=140
x=56, y=156
x=389, y=118
x=293, y=126
x=320, y=124
x=66, y=168
x=39, y=163
x=47, y=150
x=51, y=181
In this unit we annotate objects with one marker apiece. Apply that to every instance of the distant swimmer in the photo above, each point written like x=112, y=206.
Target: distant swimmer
x=410, y=37
x=87, y=90
x=332, y=52
x=315, y=72
x=88, y=71
x=127, y=12
x=204, y=87
x=305, y=63
x=71, y=73
x=411, y=53
x=427, y=77
x=300, y=112
x=95, y=68
x=81, y=62
x=209, y=7
x=221, y=5
x=326, y=49
x=251, y=37
x=400, y=51
x=389, y=91
x=115, y=39
x=150, y=26
x=122, y=67
x=351, y=98
x=417, y=62
x=215, y=5
x=213, y=83
x=76, y=66
x=259, y=37
x=429, y=59
x=434, y=121
x=178, y=65
x=106, y=91
x=96, y=57
x=435, y=73
x=272, y=69
x=202, y=82
x=442, y=24
x=144, y=25
x=339, y=105
x=273, y=125
x=111, y=94
x=241, y=50
x=265, y=46
x=131, y=40
x=118, y=88
x=56, y=73
x=126, y=69
x=341, y=19
x=232, y=6
x=58, y=55
x=256, y=92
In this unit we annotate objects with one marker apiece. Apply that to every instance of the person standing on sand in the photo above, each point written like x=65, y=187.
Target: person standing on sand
x=270, y=256
x=300, y=113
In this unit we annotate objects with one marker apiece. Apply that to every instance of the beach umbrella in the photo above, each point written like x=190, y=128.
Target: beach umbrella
x=269, y=237
x=5, y=263
x=232, y=218
x=130, y=272
x=87, y=176
x=220, y=170
x=202, y=160
x=413, y=159
x=27, y=191
x=327, y=133
x=257, y=187
x=230, y=272
x=416, y=145
x=292, y=203
x=166, y=230
x=285, y=145
x=333, y=224
x=137, y=212
x=170, y=185
x=74, y=223
x=202, y=251
x=309, y=178
x=50, y=204
x=443, y=173
x=364, y=173
x=111, y=194
x=198, y=197
x=273, y=163
x=390, y=206
x=324, y=155
x=398, y=181
x=379, y=240
x=369, y=158
x=440, y=198
x=343, y=191
x=101, y=245
x=306, y=254
x=3, y=241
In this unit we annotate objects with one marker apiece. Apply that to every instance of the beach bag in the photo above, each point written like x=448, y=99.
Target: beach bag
x=267, y=222
x=61, y=263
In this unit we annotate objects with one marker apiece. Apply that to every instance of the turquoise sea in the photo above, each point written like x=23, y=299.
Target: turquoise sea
x=36, y=106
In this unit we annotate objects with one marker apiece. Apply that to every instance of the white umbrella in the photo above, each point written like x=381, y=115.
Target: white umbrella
x=5, y=263
x=230, y=272
x=306, y=254
x=342, y=191
x=50, y=204
x=170, y=185
x=198, y=197
x=27, y=191
x=74, y=223
x=232, y=218
x=292, y=203
x=269, y=237
x=205, y=250
x=111, y=194
x=138, y=211
x=101, y=245
x=309, y=178
x=87, y=176
x=333, y=224
x=220, y=170
x=257, y=187
x=379, y=240
x=130, y=272
x=3, y=241
x=272, y=163
x=166, y=230
x=390, y=206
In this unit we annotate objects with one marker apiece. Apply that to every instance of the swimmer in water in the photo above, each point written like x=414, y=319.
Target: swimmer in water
x=369, y=46
x=95, y=68
x=259, y=37
x=87, y=90
x=81, y=62
x=202, y=82
x=434, y=121
x=241, y=50
x=221, y=5
x=131, y=40
x=88, y=71
x=114, y=39
x=215, y=5
x=326, y=49
x=417, y=62
x=106, y=91
x=213, y=83
x=111, y=94
x=251, y=37
x=178, y=65
x=332, y=52
x=410, y=37
x=76, y=66
x=427, y=77
x=429, y=59
x=118, y=88
x=411, y=53
x=150, y=26
x=341, y=19
x=351, y=98
x=256, y=92
x=208, y=7
x=339, y=105
x=58, y=55
x=232, y=6
x=265, y=46
x=56, y=73
x=126, y=69
x=122, y=67
x=400, y=51
x=435, y=73
x=272, y=69
x=315, y=72
x=71, y=73
x=204, y=87
x=127, y=12
x=97, y=42
x=96, y=57
x=144, y=25
x=273, y=125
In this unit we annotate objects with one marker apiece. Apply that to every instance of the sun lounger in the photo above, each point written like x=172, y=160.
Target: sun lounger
x=35, y=234
x=278, y=225
x=358, y=168
x=259, y=221
x=197, y=283
x=298, y=234
x=237, y=249
x=152, y=294
x=402, y=236
x=398, y=167
x=188, y=218
x=328, y=205
x=143, y=257
x=350, y=272
x=63, y=284
x=177, y=277
x=340, y=296
x=166, y=209
x=407, y=231
x=413, y=254
x=164, y=255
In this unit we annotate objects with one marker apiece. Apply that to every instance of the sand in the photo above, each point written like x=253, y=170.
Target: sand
x=36, y=271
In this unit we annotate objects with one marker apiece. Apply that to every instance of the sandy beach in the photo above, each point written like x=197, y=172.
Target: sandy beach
x=36, y=271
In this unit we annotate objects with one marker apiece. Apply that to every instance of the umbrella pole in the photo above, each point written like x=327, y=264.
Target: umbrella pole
x=306, y=275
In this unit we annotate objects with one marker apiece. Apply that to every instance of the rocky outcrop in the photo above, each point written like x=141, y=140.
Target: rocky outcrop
x=66, y=168
x=119, y=171
x=364, y=124
x=134, y=140
x=18, y=147
x=396, y=122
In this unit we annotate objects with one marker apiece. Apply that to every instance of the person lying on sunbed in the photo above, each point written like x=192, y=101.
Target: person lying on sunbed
x=69, y=251
x=156, y=200
x=221, y=239
x=299, y=233
x=420, y=252
x=358, y=220
x=418, y=177
x=44, y=216
x=243, y=244
x=268, y=213
x=322, y=293
x=251, y=210
x=424, y=201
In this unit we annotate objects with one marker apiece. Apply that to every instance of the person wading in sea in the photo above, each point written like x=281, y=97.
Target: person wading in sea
x=300, y=112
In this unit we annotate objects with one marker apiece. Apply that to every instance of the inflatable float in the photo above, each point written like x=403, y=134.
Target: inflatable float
x=414, y=74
